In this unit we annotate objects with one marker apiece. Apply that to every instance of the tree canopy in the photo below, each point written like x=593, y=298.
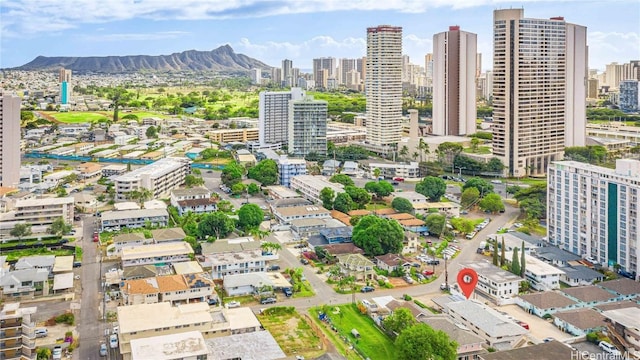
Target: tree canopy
x=232, y=174
x=359, y=196
x=421, y=341
x=343, y=202
x=193, y=180
x=469, y=197
x=435, y=223
x=342, y=179
x=59, y=227
x=250, y=216
x=402, y=205
x=400, y=320
x=492, y=203
x=378, y=236
x=215, y=224
x=484, y=187
x=326, y=196
x=432, y=187
x=463, y=225
x=266, y=172
x=20, y=230
x=379, y=188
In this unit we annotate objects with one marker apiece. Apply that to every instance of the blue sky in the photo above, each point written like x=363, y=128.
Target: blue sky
x=300, y=30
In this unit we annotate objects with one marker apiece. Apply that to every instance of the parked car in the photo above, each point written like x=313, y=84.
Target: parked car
x=608, y=348
x=41, y=332
x=103, y=349
x=304, y=261
x=77, y=264
x=523, y=324
x=408, y=279
x=428, y=272
x=496, y=181
x=517, y=225
x=549, y=339
x=287, y=291
x=444, y=286
x=433, y=262
x=366, y=289
x=273, y=268
x=421, y=277
x=212, y=301
x=57, y=353
x=113, y=341
x=268, y=301
x=233, y=304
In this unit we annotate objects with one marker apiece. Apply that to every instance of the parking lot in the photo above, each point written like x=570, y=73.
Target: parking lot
x=539, y=328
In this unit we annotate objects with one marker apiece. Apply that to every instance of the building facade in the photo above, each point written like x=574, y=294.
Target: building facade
x=539, y=90
x=310, y=186
x=39, y=213
x=273, y=115
x=288, y=168
x=383, y=85
x=593, y=211
x=117, y=220
x=17, y=332
x=159, y=177
x=307, y=127
x=324, y=69
x=454, y=82
x=630, y=95
x=9, y=140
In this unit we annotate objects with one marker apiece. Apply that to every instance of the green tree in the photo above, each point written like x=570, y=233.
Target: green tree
x=400, y=320
x=326, y=196
x=378, y=236
x=43, y=353
x=469, y=197
x=492, y=203
x=359, y=196
x=266, y=172
x=253, y=189
x=250, y=216
x=342, y=179
x=20, y=230
x=216, y=223
x=151, y=132
x=463, y=225
x=59, y=227
x=195, y=245
x=379, y=188
x=402, y=205
x=495, y=261
x=483, y=186
x=432, y=187
x=376, y=173
x=447, y=151
x=343, y=203
x=118, y=96
x=494, y=165
x=502, y=250
x=193, y=180
x=435, y=223
x=225, y=206
x=232, y=174
x=269, y=246
x=421, y=341
x=515, y=262
x=238, y=188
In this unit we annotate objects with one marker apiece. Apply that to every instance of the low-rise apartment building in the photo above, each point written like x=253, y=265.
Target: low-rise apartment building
x=235, y=256
x=121, y=241
x=541, y=275
x=392, y=170
x=39, y=213
x=159, y=177
x=288, y=168
x=137, y=218
x=17, y=332
x=114, y=170
x=233, y=135
x=195, y=200
x=176, y=289
x=310, y=186
x=166, y=253
x=89, y=171
x=499, y=285
x=287, y=214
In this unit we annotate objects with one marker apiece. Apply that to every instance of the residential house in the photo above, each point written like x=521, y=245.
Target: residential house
x=330, y=167
x=580, y=275
x=24, y=283
x=89, y=171
x=497, y=330
x=196, y=200
x=470, y=345
x=579, y=322
x=121, y=241
x=342, y=249
x=625, y=289
x=556, y=256
x=626, y=324
x=391, y=262
x=411, y=242
x=306, y=228
x=350, y=168
x=235, y=256
x=139, y=272
x=356, y=265
x=254, y=283
x=166, y=253
x=175, y=234
x=36, y=262
x=53, y=180
x=245, y=158
x=551, y=350
x=117, y=220
x=448, y=208
x=176, y=289
x=114, y=170
x=286, y=214
x=589, y=295
x=281, y=192
x=336, y=234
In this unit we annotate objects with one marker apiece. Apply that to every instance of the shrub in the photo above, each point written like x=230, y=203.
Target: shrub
x=592, y=337
x=66, y=318
x=420, y=304
x=406, y=297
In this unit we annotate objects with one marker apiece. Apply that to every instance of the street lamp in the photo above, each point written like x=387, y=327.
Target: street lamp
x=460, y=171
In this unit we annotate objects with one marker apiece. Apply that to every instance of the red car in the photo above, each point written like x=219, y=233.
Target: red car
x=95, y=236
x=427, y=272
x=398, y=179
x=523, y=324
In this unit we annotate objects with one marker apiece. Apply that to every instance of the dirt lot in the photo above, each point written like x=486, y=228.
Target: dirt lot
x=292, y=332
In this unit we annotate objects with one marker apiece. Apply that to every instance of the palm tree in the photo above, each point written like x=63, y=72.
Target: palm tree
x=414, y=155
x=376, y=173
x=404, y=151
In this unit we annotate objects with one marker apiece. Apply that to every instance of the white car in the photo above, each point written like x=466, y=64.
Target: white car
x=233, y=304
x=57, y=353
x=517, y=225
x=113, y=341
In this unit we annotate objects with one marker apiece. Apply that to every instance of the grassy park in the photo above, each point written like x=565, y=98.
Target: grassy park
x=73, y=117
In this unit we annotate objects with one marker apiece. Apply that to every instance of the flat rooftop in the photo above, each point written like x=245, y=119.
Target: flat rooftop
x=257, y=345
x=132, y=318
x=551, y=350
x=155, y=170
x=488, y=321
x=156, y=250
x=492, y=272
x=169, y=347
x=537, y=266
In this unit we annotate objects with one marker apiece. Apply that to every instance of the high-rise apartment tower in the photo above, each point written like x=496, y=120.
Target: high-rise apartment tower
x=9, y=140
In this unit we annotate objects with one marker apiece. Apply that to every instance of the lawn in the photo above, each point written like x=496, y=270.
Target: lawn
x=483, y=150
x=292, y=332
x=77, y=116
x=372, y=344
x=144, y=114
x=17, y=254
x=377, y=206
x=305, y=291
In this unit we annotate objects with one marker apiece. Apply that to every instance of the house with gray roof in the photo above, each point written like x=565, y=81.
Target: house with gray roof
x=556, y=256
x=551, y=350
x=356, y=265
x=469, y=344
x=175, y=234
x=254, y=283
x=580, y=321
x=121, y=241
x=547, y=302
x=580, y=275
x=626, y=288
x=496, y=329
x=589, y=295
x=36, y=262
x=24, y=283
x=236, y=256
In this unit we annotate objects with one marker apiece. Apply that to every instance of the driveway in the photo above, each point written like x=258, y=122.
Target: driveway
x=539, y=329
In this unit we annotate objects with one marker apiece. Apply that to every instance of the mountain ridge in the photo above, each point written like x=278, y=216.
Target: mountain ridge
x=221, y=59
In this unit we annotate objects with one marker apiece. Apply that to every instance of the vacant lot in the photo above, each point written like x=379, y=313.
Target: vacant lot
x=372, y=342
x=292, y=332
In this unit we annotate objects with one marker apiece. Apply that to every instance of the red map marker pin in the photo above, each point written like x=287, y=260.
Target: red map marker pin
x=467, y=280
